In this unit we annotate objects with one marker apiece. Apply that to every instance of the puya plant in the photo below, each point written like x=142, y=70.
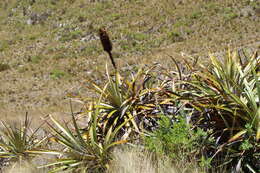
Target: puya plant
x=84, y=150
x=226, y=97
x=19, y=142
x=127, y=98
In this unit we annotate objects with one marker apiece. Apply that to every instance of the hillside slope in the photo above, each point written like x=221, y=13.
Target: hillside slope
x=48, y=47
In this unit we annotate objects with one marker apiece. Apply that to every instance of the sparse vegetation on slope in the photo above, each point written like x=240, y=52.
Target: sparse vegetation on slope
x=176, y=106
x=39, y=37
x=192, y=116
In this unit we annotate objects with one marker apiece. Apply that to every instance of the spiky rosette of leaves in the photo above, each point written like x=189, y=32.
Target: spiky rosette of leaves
x=134, y=97
x=84, y=150
x=226, y=99
x=19, y=142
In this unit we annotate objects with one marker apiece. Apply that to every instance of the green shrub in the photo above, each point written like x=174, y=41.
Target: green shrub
x=229, y=14
x=179, y=141
x=196, y=15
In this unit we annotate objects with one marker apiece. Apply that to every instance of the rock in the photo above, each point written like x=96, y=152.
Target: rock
x=82, y=48
x=43, y=17
x=89, y=37
x=37, y=18
x=29, y=22
x=247, y=11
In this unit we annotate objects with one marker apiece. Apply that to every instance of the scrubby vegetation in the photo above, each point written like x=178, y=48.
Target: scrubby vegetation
x=208, y=116
x=45, y=40
x=182, y=111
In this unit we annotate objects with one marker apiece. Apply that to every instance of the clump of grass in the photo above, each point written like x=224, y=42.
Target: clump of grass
x=36, y=59
x=134, y=159
x=57, y=74
x=4, y=45
x=196, y=15
x=229, y=14
x=22, y=167
x=175, y=36
x=70, y=35
x=59, y=56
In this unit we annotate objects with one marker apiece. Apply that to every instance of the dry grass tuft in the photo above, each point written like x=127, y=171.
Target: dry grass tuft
x=128, y=160
x=23, y=167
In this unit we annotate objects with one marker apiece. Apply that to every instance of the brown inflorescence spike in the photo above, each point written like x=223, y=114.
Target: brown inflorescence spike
x=106, y=43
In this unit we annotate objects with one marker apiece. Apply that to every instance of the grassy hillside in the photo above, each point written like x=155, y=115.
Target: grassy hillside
x=48, y=47
x=171, y=106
